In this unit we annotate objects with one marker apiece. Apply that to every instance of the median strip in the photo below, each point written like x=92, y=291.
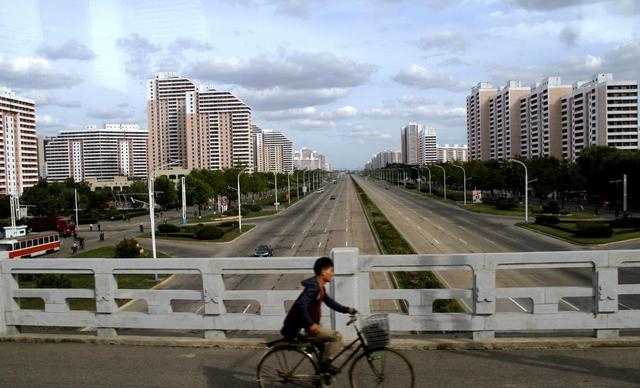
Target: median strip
x=391, y=242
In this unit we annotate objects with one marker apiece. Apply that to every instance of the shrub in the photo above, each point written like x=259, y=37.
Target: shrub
x=626, y=222
x=231, y=212
x=128, y=248
x=168, y=228
x=179, y=234
x=209, y=232
x=50, y=280
x=552, y=208
x=593, y=229
x=547, y=220
x=505, y=204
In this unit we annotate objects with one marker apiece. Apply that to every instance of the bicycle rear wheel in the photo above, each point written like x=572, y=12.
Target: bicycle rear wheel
x=381, y=368
x=288, y=366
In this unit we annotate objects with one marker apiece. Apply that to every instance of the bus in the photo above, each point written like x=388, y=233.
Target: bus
x=30, y=245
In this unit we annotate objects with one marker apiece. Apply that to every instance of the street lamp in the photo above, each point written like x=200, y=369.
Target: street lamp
x=275, y=178
x=464, y=181
x=444, y=177
x=429, y=170
x=289, y=187
x=239, y=206
x=526, y=189
x=304, y=182
x=418, y=170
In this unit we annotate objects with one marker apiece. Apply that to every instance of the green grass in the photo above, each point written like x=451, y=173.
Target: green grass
x=86, y=281
x=566, y=233
x=229, y=235
x=391, y=241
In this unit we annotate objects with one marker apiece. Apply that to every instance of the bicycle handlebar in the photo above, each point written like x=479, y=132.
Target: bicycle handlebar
x=352, y=318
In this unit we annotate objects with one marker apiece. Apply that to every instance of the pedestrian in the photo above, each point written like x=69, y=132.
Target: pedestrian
x=90, y=227
x=81, y=240
x=141, y=228
x=98, y=226
x=101, y=236
x=74, y=247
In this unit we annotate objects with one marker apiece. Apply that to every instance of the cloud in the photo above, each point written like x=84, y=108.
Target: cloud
x=298, y=70
x=35, y=73
x=448, y=116
x=548, y=5
x=139, y=52
x=121, y=111
x=182, y=44
x=294, y=8
x=43, y=99
x=569, y=35
x=449, y=41
x=310, y=113
x=71, y=49
x=453, y=61
x=281, y=99
x=413, y=101
x=416, y=75
x=366, y=134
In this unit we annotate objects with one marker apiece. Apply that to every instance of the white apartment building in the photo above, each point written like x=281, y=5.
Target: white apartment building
x=97, y=153
x=504, y=120
x=540, y=119
x=410, y=143
x=307, y=159
x=383, y=159
x=218, y=130
x=427, y=152
x=451, y=153
x=18, y=143
x=600, y=111
x=273, y=151
x=478, y=131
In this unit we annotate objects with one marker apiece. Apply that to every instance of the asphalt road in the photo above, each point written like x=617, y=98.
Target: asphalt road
x=431, y=226
x=79, y=365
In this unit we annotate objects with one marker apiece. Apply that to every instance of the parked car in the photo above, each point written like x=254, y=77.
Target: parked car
x=263, y=251
x=320, y=190
x=332, y=197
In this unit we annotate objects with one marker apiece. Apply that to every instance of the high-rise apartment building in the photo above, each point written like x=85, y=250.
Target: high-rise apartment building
x=600, y=111
x=166, y=120
x=451, y=153
x=98, y=153
x=540, y=119
x=504, y=120
x=18, y=143
x=218, y=130
x=410, y=143
x=478, y=131
x=307, y=159
x=273, y=151
x=43, y=140
x=427, y=152
x=383, y=159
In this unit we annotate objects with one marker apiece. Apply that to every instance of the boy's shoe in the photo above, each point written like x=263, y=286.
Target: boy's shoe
x=328, y=367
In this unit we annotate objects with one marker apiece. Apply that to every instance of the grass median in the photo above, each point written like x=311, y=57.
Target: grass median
x=566, y=231
x=392, y=242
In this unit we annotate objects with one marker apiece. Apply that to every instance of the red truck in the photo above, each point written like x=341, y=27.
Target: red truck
x=58, y=224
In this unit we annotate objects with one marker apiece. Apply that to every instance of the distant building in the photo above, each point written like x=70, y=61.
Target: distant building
x=99, y=153
x=427, y=152
x=18, y=143
x=504, y=121
x=447, y=153
x=383, y=159
x=410, y=143
x=478, y=132
x=273, y=151
x=600, y=111
x=42, y=166
x=307, y=159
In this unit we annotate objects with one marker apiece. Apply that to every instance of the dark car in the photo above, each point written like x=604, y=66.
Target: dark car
x=332, y=197
x=263, y=251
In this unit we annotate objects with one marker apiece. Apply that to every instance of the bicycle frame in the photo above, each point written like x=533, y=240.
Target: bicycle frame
x=362, y=346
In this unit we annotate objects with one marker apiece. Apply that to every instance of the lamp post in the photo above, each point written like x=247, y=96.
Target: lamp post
x=289, y=188
x=444, y=177
x=418, y=170
x=304, y=182
x=297, y=186
x=275, y=178
x=239, y=206
x=429, y=170
x=526, y=189
x=152, y=208
x=464, y=181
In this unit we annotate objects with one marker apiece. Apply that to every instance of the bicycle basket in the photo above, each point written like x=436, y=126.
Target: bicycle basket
x=375, y=330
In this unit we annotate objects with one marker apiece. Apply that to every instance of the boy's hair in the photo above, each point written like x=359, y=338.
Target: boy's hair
x=322, y=263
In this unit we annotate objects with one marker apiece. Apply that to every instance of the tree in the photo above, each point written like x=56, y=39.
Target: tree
x=166, y=194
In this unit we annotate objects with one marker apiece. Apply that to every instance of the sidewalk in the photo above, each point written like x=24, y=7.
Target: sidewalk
x=82, y=365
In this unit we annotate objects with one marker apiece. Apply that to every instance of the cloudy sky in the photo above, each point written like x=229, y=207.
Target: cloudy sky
x=338, y=76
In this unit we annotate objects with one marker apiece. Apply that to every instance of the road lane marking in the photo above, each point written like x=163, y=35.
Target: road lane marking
x=570, y=305
x=462, y=227
x=319, y=244
x=436, y=241
x=486, y=239
x=518, y=304
x=419, y=227
x=462, y=241
x=346, y=243
x=325, y=230
x=246, y=308
x=294, y=244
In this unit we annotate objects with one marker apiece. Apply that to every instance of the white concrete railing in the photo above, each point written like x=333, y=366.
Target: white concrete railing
x=351, y=287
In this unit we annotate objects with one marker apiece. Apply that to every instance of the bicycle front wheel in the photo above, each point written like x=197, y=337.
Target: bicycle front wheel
x=288, y=366
x=381, y=368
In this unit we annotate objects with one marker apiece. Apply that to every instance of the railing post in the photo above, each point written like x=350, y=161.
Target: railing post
x=346, y=287
x=7, y=284
x=606, y=287
x=105, y=291
x=484, y=298
x=212, y=295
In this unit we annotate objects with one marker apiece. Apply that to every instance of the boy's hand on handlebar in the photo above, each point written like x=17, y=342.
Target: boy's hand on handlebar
x=352, y=311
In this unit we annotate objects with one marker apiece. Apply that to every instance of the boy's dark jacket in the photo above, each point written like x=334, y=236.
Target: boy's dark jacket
x=299, y=316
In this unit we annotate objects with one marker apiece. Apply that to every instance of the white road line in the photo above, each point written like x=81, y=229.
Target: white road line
x=419, y=227
x=570, y=305
x=294, y=244
x=489, y=241
x=325, y=230
x=518, y=304
x=319, y=244
x=246, y=308
x=436, y=241
x=346, y=243
x=462, y=227
x=462, y=241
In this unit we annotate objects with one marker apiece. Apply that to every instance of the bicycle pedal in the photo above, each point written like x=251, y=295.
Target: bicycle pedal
x=328, y=379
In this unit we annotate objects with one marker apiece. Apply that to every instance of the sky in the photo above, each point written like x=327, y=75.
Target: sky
x=340, y=77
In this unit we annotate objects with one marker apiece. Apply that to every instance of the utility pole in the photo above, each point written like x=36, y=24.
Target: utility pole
x=624, y=194
x=75, y=200
x=444, y=177
x=526, y=189
x=184, y=200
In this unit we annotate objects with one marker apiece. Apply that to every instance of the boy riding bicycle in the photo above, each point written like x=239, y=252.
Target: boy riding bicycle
x=305, y=313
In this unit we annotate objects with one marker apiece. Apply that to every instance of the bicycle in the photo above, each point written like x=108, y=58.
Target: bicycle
x=296, y=362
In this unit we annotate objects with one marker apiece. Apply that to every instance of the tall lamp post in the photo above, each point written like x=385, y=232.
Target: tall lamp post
x=464, y=181
x=429, y=170
x=275, y=178
x=304, y=182
x=418, y=170
x=526, y=189
x=239, y=205
x=444, y=178
x=289, y=187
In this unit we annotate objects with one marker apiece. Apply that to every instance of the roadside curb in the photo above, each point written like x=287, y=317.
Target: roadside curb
x=576, y=243
x=401, y=344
